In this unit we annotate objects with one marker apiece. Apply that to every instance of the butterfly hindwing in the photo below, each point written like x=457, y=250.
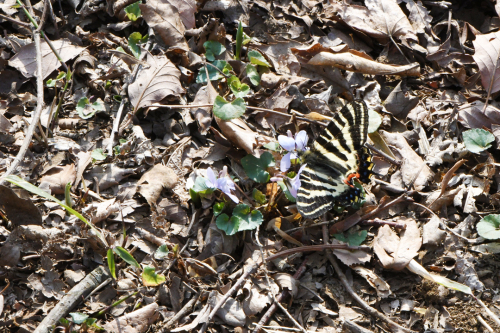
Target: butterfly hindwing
x=337, y=153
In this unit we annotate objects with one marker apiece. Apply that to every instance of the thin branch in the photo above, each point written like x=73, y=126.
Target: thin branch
x=13, y=20
x=393, y=326
x=36, y=116
x=384, y=155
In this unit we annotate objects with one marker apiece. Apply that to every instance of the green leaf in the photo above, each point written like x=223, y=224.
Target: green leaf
x=126, y=256
x=249, y=220
x=256, y=168
x=150, y=278
x=213, y=49
x=243, y=219
x=98, y=154
x=35, y=190
x=111, y=263
x=257, y=59
x=201, y=188
x=195, y=197
x=253, y=74
x=78, y=318
x=259, y=196
x=218, y=208
x=133, y=11
x=285, y=190
x=86, y=110
x=239, y=41
x=64, y=321
x=352, y=237
x=477, y=140
x=134, y=41
x=227, y=111
x=161, y=252
x=489, y=226
x=239, y=89
x=212, y=72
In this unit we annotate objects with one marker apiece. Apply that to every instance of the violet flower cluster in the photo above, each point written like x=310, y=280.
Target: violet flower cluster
x=223, y=183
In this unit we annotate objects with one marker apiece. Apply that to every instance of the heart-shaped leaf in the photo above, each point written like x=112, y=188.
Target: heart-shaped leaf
x=477, y=140
x=253, y=74
x=150, y=278
x=489, y=226
x=227, y=111
x=257, y=59
x=243, y=219
x=213, y=73
x=256, y=168
x=213, y=49
x=133, y=11
x=239, y=89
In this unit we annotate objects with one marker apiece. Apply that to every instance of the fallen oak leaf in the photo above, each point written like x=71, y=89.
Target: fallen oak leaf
x=395, y=251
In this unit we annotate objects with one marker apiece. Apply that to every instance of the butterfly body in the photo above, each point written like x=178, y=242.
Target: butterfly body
x=335, y=160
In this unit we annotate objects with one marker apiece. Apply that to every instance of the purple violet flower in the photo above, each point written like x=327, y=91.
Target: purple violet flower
x=293, y=184
x=292, y=145
x=223, y=183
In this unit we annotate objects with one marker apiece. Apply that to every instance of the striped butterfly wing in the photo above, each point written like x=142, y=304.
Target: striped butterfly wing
x=335, y=157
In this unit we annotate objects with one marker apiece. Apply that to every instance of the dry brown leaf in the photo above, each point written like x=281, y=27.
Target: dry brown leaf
x=382, y=288
x=431, y=233
x=154, y=180
x=353, y=62
x=206, y=95
x=349, y=258
x=380, y=19
x=287, y=281
x=414, y=170
x=471, y=115
x=19, y=211
x=486, y=56
x=400, y=102
x=134, y=322
x=393, y=251
x=108, y=175
x=57, y=178
x=238, y=133
x=231, y=312
x=165, y=20
x=187, y=9
x=25, y=60
x=419, y=16
x=155, y=83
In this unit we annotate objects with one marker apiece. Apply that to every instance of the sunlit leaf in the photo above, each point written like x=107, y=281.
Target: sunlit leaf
x=98, y=154
x=161, y=252
x=239, y=89
x=256, y=168
x=489, y=226
x=253, y=74
x=228, y=110
x=150, y=278
x=477, y=140
x=78, y=318
x=133, y=11
x=126, y=256
x=257, y=59
x=111, y=263
x=213, y=49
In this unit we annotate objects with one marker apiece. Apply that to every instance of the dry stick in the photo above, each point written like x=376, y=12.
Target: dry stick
x=355, y=328
x=487, y=310
x=485, y=324
x=282, y=296
x=226, y=296
x=270, y=292
x=346, y=224
x=384, y=155
x=393, y=326
x=255, y=108
x=182, y=312
x=36, y=116
x=116, y=122
x=72, y=298
x=8, y=18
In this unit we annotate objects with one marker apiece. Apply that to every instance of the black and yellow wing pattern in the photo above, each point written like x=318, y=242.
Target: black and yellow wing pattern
x=336, y=157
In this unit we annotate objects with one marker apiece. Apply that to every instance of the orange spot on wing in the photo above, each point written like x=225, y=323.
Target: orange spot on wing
x=349, y=178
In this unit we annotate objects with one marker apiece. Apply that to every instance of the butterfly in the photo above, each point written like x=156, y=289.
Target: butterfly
x=336, y=158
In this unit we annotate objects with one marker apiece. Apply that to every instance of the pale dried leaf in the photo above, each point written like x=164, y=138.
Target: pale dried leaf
x=134, y=322
x=382, y=288
x=206, y=95
x=155, y=83
x=419, y=16
x=471, y=115
x=355, y=63
x=393, y=251
x=432, y=234
x=165, y=20
x=187, y=9
x=57, y=178
x=487, y=56
x=25, y=59
x=154, y=180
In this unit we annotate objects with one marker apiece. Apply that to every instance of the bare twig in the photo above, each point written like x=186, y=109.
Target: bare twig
x=270, y=291
x=116, y=122
x=182, y=312
x=72, y=298
x=38, y=111
x=487, y=310
x=393, y=326
x=384, y=155
x=10, y=19
x=485, y=324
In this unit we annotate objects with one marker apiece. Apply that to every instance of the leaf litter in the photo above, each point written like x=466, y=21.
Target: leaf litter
x=166, y=165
